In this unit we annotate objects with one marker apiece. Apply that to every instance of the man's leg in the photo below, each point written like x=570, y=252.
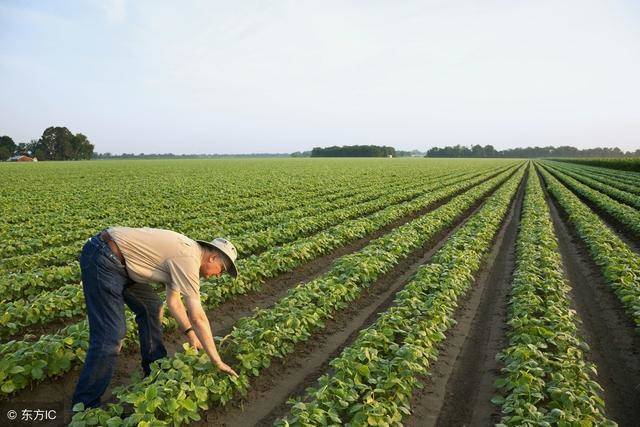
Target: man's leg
x=145, y=303
x=103, y=280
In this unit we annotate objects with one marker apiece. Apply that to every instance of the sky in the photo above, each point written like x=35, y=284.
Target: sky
x=282, y=76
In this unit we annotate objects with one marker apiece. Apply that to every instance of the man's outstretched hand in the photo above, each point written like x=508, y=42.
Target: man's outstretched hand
x=195, y=343
x=226, y=369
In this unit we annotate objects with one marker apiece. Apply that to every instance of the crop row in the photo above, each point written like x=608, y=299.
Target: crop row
x=625, y=197
x=250, y=194
x=67, y=301
x=67, y=347
x=254, y=239
x=621, y=183
x=63, y=268
x=619, y=264
x=255, y=182
x=624, y=214
x=171, y=208
x=229, y=225
x=186, y=384
x=545, y=379
x=66, y=270
x=59, y=255
x=623, y=164
x=628, y=177
x=60, y=350
x=372, y=380
x=227, y=220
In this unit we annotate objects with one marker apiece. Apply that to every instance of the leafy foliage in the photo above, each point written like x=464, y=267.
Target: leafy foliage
x=627, y=197
x=626, y=215
x=372, y=381
x=619, y=264
x=255, y=270
x=615, y=179
x=626, y=164
x=272, y=333
x=546, y=379
x=257, y=235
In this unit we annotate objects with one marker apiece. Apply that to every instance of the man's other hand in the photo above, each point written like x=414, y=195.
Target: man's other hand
x=194, y=341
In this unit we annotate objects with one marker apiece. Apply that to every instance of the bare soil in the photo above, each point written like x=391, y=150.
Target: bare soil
x=459, y=390
x=609, y=332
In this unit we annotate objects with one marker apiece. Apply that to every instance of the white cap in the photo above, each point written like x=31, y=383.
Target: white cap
x=228, y=250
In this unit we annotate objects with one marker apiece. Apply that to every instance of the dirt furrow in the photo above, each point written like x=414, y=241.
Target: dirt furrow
x=609, y=332
x=222, y=319
x=269, y=392
x=460, y=387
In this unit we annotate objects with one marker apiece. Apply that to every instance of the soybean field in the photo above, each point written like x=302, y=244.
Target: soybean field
x=382, y=292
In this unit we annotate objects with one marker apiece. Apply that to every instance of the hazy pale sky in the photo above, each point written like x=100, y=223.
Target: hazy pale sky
x=281, y=76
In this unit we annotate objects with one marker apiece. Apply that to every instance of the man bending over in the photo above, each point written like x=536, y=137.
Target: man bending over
x=118, y=265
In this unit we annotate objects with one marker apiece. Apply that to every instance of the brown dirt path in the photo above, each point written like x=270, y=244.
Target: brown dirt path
x=460, y=388
x=615, y=345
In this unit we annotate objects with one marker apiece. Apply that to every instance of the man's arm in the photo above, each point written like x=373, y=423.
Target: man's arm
x=196, y=319
x=177, y=310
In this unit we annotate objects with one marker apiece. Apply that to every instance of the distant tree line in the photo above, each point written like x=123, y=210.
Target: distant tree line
x=356, y=151
x=528, y=152
x=353, y=151
x=56, y=143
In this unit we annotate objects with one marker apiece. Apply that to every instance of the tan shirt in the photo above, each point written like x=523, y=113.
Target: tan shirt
x=163, y=256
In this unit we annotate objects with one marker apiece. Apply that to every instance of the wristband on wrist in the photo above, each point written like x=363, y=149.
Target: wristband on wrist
x=188, y=330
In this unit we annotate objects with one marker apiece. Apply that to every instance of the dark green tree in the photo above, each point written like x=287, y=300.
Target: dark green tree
x=353, y=151
x=58, y=143
x=7, y=147
x=477, y=151
x=54, y=143
x=81, y=147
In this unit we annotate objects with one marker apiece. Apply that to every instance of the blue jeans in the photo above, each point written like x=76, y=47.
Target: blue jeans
x=107, y=288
